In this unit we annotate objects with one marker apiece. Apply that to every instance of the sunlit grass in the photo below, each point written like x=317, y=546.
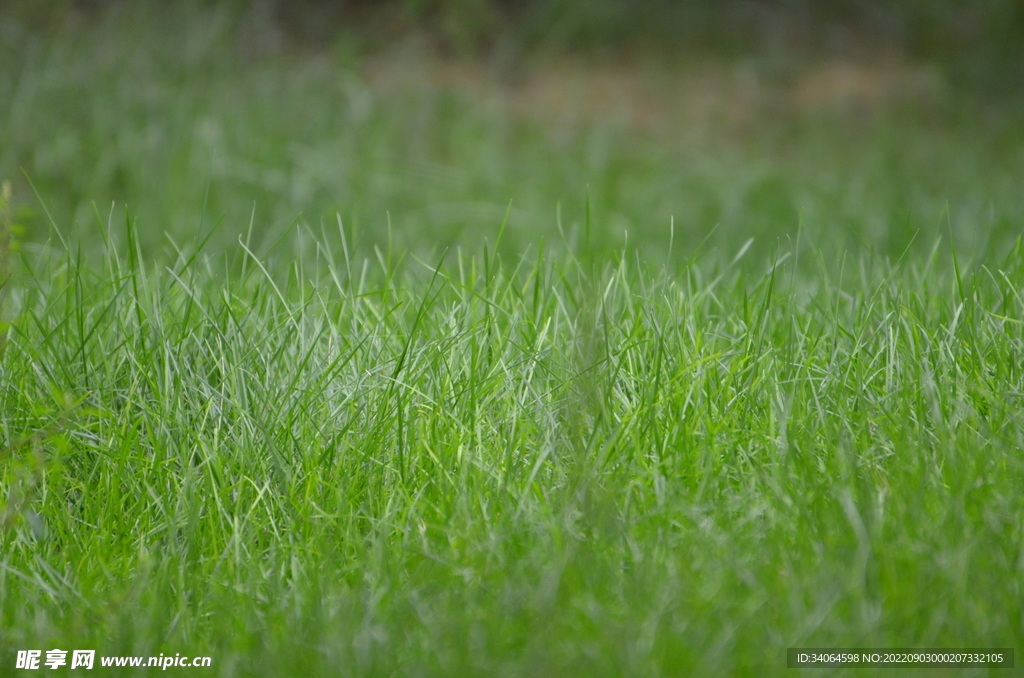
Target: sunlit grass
x=482, y=466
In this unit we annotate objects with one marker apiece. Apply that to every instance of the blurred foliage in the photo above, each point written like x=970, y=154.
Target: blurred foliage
x=186, y=112
x=979, y=44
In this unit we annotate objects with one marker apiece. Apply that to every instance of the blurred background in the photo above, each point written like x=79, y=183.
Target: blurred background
x=869, y=123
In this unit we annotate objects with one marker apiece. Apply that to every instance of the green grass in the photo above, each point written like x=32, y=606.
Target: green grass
x=454, y=446
x=491, y=468
x=182, y=115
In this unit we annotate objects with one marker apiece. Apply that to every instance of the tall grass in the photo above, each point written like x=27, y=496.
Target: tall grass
x=760, y=389
x=481, y=466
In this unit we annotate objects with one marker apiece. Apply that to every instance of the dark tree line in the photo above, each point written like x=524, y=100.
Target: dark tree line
x=977, y=41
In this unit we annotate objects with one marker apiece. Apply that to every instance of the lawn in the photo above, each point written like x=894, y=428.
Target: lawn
x=322, y=364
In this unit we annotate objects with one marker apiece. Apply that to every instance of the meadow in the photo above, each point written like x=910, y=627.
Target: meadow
x=320, y=363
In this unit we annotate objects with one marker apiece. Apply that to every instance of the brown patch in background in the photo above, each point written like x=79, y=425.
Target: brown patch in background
x=865, y=86
x=571, y=93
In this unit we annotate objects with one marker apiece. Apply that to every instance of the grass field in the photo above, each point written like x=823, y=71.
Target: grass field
x=727, y=377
